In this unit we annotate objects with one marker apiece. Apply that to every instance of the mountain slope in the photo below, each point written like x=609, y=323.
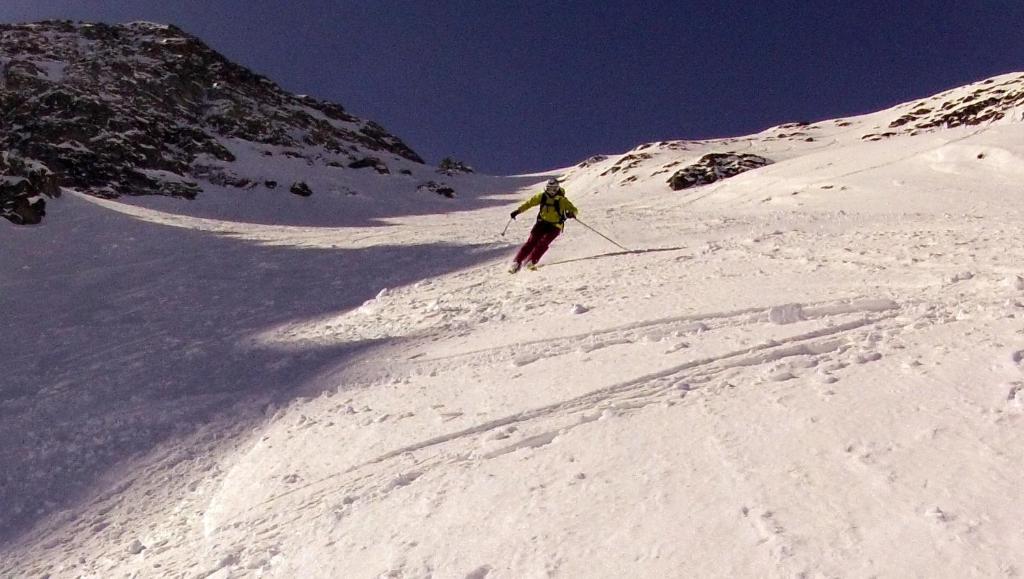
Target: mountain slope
x=143, y=108
x=812, y=369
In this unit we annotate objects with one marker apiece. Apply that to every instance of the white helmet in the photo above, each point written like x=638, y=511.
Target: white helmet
x=552, y=183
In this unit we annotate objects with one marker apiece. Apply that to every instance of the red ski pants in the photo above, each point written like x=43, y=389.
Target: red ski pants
x=541, y=236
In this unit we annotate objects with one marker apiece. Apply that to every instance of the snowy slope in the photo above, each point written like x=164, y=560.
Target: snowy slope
x=991, y=101
x=810, y=369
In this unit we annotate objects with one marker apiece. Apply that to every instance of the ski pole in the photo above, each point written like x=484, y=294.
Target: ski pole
x=506, y=227
x=601, y=234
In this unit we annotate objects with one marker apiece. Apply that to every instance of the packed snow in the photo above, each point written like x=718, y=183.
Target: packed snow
x=811, y=369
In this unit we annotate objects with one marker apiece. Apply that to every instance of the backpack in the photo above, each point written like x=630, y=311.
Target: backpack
x=553, y=201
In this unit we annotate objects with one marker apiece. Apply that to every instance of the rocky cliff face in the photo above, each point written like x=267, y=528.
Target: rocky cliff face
x=142, y=109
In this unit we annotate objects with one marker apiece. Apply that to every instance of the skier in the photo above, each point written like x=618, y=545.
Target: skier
x=555, y=208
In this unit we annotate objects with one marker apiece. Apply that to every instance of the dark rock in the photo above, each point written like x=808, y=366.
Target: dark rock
x=370, y=162
x=23, y=183
x=178, y=189
x=438, y=188
x=270, y=184
x=300, y=188
x=449, y=166
x=626, y=163
x=220, y=176
x=878, y=137
x=592, y=161
x=25, y=212
x=713, y=167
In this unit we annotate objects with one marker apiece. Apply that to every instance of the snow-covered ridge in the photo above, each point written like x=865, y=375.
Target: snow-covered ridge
x=994, y=100
x=989, y=101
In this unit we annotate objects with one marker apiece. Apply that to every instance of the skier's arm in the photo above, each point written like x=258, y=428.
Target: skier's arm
x=569, y=210
x=532, y=201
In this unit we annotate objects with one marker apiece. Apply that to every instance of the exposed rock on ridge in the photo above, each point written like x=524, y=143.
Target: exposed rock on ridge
x=713, y=167
x=23, y=183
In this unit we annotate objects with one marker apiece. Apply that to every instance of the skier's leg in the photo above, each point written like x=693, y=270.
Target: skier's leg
x=549, y=235
x=531, y=243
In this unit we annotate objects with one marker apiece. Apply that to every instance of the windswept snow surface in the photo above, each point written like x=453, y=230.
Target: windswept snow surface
x=814, y=369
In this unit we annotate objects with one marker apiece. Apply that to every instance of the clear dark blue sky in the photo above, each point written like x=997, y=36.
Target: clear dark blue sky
x=513, y=86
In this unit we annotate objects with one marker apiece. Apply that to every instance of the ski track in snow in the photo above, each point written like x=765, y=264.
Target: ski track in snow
x=667, y=387
x=649, y=389
x=824, y=351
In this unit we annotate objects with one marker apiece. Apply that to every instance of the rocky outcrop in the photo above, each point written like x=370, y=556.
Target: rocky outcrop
x=713, y=167
x=440, y=189
x=593, y=160
x=987, y=101
x=143, y=109
x=370, y=163
x=301, y=189
x=449, y=166
x=23, y=184
x=626, y=163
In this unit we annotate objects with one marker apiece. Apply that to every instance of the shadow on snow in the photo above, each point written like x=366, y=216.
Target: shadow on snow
x=121, y=336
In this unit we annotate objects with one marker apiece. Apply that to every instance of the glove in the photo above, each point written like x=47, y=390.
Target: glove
x=570, y=215
x=514, y=213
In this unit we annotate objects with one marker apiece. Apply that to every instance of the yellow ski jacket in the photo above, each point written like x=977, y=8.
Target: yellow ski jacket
x=554, y=209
